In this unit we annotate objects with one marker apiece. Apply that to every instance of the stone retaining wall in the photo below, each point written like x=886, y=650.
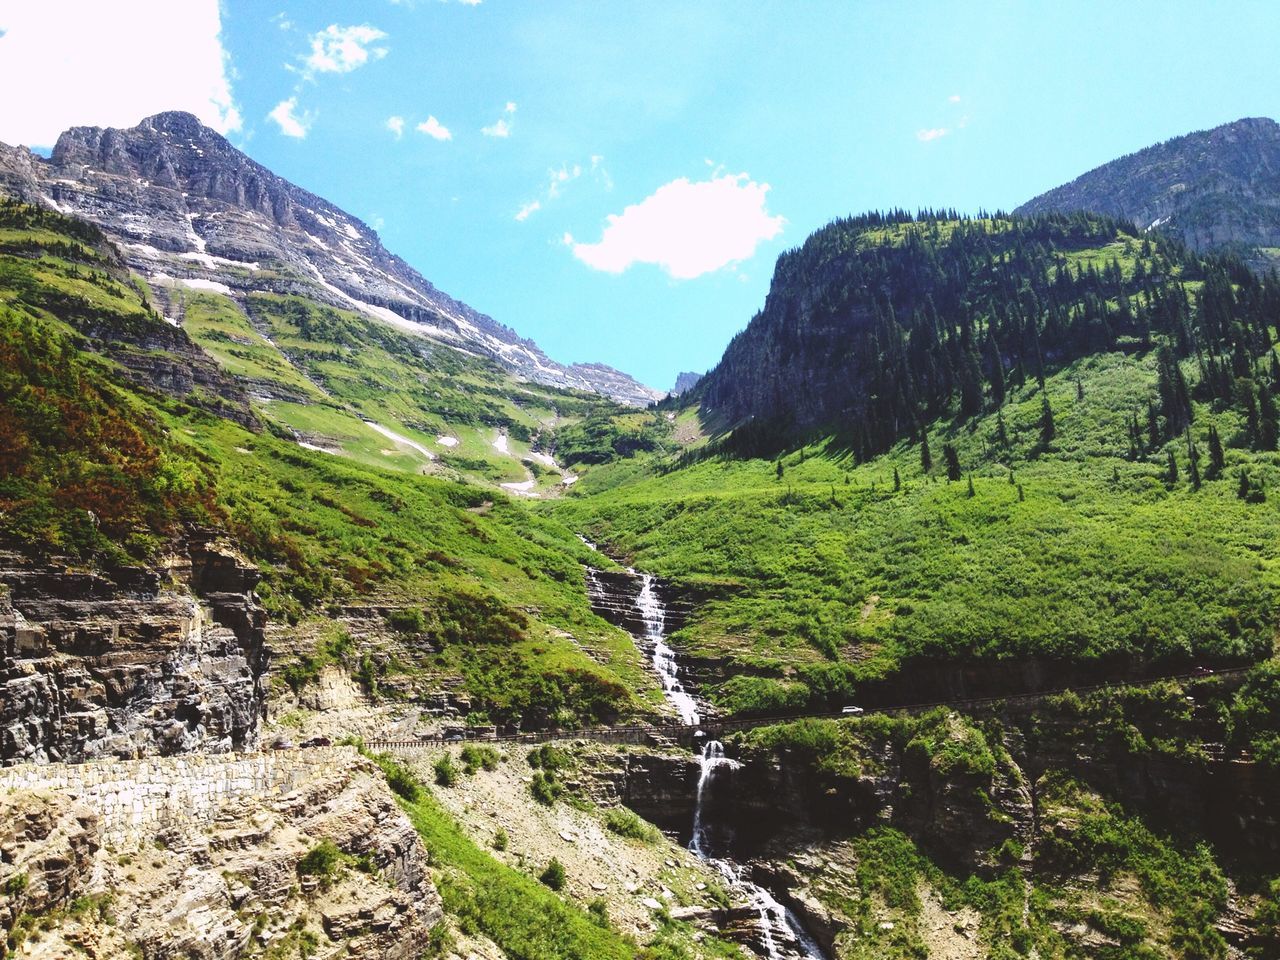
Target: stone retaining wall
x=136, y=798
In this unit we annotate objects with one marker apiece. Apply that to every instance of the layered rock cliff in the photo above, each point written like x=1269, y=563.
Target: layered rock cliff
x=226, y=878
x=189, y=209
x=131, y=662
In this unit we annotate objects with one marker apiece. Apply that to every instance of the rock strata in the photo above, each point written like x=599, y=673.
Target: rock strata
x=217, y=882
x=124, y=663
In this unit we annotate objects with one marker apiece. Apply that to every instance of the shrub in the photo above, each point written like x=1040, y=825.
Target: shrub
x=446, y=771
x=500, y=840
x=625, y=823
x=322, y=860
x=553, y=876
x=550, y=758
x=399, y=779
x=546, y=789
x=474, y=757
x=407, y=620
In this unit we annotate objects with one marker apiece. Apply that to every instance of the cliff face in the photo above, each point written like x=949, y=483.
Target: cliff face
x=1214, y=188
x=125, y=664
x=190, y=210
x=217, y=880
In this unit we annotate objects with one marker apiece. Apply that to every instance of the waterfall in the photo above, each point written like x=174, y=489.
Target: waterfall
x=781, y=935
x=713, y=759
x=649, y=610
x=654, y=615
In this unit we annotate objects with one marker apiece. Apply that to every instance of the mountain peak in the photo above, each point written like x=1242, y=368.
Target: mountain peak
x=1212, y=188
x=190, y=208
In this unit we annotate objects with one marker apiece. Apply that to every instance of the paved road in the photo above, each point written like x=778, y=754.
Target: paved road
x=715, y=729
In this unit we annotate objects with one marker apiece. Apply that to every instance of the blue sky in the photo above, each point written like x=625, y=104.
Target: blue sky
x=716, y=134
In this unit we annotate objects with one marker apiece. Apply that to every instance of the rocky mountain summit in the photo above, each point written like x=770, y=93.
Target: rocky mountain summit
x=190, y=210
x=686, y=380
x=1213, y=188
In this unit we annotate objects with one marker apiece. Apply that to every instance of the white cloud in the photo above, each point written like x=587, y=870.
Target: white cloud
x=934, y=133
x=686, y=228
x=600, y=173
x=530, y=208
x=65, y=64
x=282, y=21
x=954, y=98
x=292, y=124
x=501, y=129
x=338, y=49
x=560, y=177
x=396, y=126
x=470, y=3
x=435, y=129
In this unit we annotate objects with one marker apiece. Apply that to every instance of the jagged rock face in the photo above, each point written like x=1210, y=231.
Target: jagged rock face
x=119, y=665
x=685, y=382
x=191, y=210
x=228, y=886
x=1213, y=188
x=47, y=846
x=660, y=786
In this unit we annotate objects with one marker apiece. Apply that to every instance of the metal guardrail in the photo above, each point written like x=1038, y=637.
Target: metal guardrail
x=634, y=733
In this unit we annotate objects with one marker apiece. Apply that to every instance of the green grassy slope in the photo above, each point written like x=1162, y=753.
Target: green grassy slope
x=822, y=570
x=334, y=377
x=97, y=468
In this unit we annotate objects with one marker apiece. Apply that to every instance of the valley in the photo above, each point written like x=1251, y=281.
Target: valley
x=339, y=620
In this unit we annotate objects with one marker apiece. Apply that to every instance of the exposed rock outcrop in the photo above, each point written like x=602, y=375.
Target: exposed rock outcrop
x=1213, y=188
x=226, y=882
x=685, y=381
x=123, y=663
x=47, y=846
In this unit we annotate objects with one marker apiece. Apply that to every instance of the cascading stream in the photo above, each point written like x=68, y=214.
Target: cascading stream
x=781, y=935
x=664, y=658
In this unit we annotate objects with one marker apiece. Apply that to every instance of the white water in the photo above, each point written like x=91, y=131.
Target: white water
x=654, y=615
x=781, y=935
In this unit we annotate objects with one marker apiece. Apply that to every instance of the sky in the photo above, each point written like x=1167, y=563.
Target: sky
x=616, y=180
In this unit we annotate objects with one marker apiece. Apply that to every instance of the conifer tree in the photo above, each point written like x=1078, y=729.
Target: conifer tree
x=1268, y=421
x=1216, y=460
x=952, y=460
x=897, y=480
x=1171, y=471
x=1175, y=398
x=997, y=372
x=1047, y=428
x=971, y=492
